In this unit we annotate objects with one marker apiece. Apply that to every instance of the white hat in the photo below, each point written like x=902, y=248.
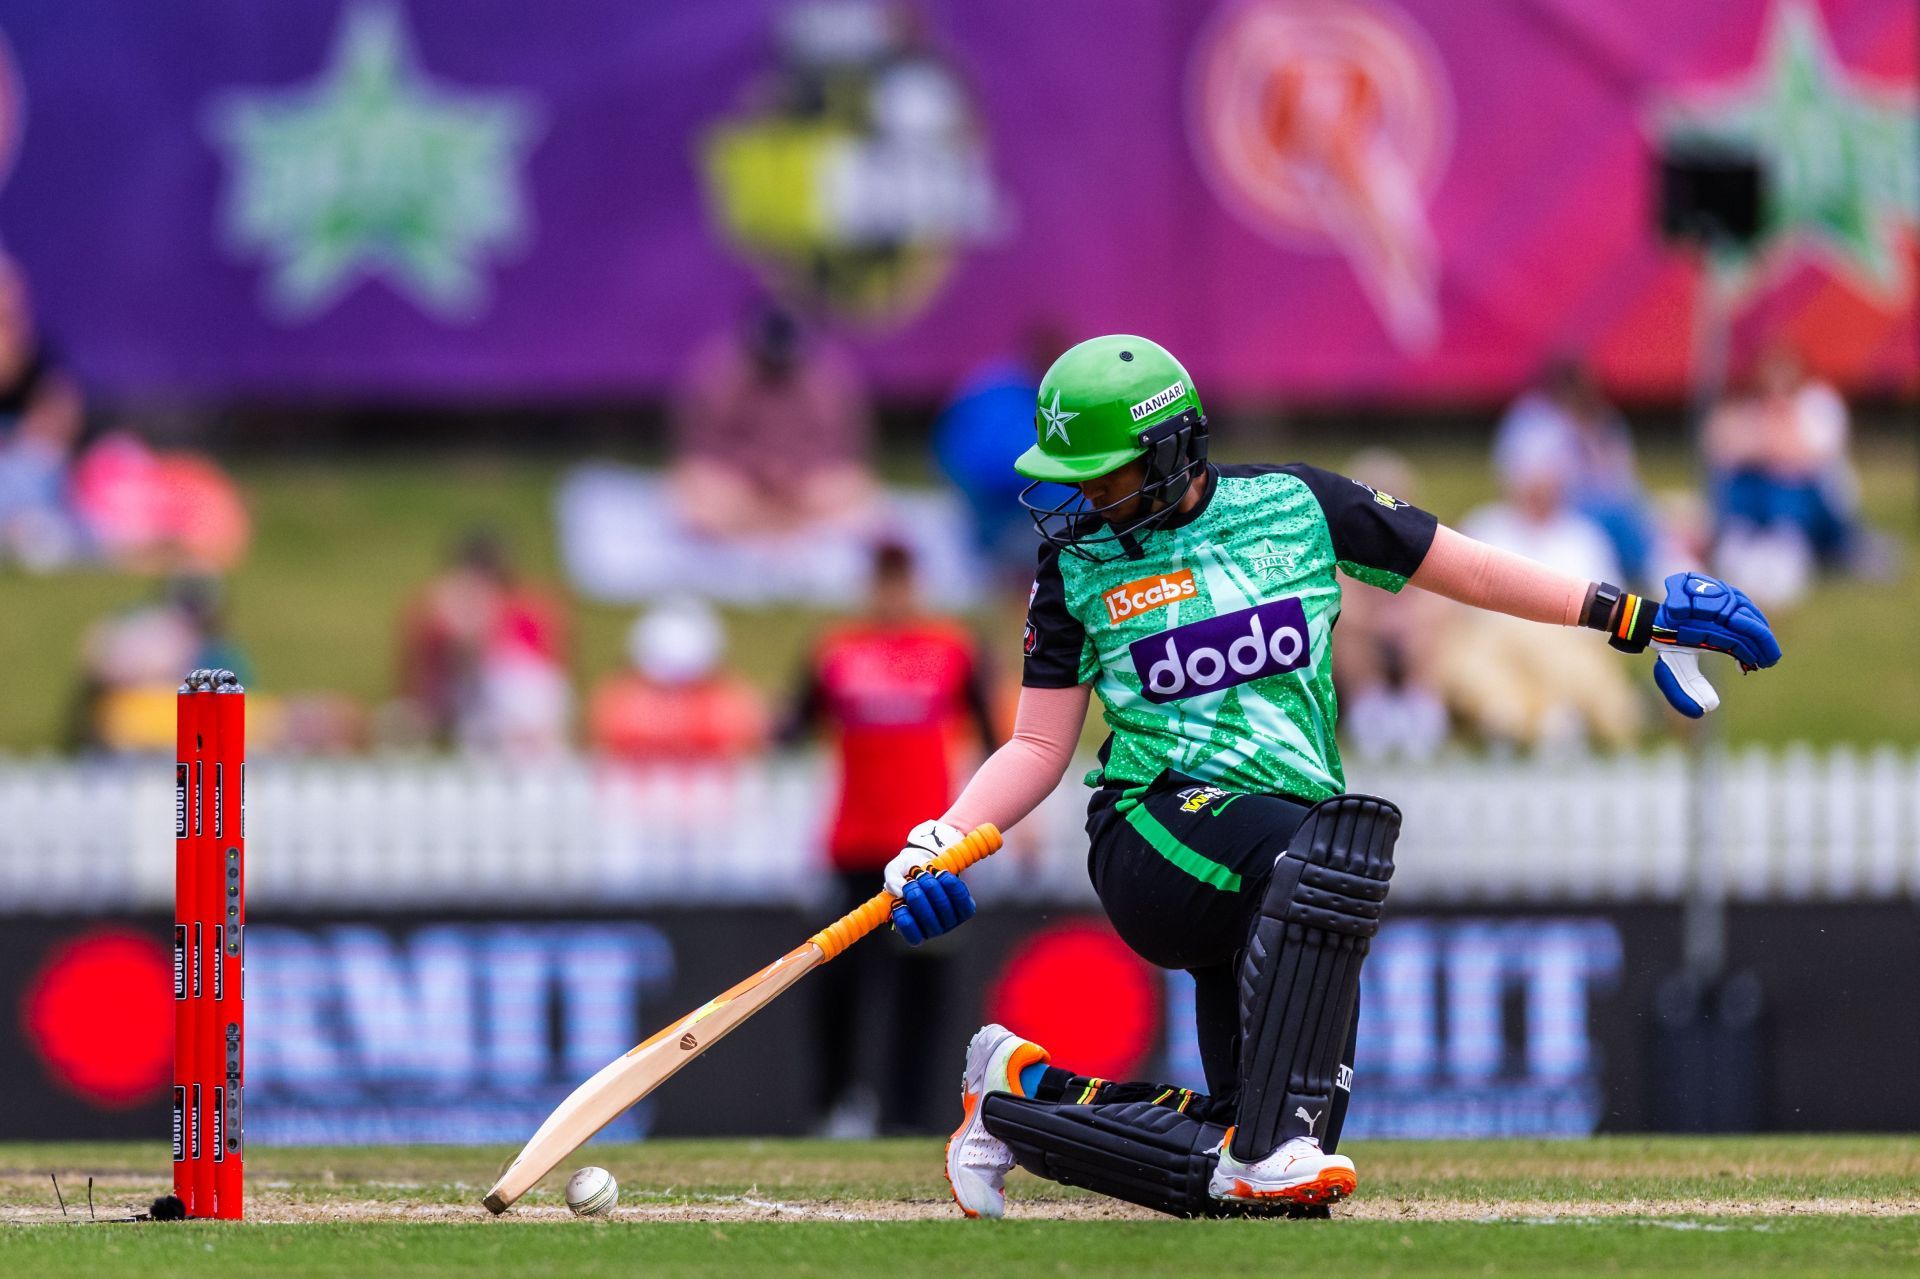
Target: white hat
x=1537, y=456
x=679, y=641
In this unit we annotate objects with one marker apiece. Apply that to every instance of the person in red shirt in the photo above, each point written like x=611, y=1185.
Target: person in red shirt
x=895, y=688
x=483, y=655
x=676, y=703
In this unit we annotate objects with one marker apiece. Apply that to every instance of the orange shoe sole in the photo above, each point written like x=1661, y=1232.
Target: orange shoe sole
x=1330, y=1187
x=967, y=1103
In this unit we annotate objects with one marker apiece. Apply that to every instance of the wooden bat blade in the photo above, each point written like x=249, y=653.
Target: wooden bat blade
x=627, y=1079
x=596, y=1103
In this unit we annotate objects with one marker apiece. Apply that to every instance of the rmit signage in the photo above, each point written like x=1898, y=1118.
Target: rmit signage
x=444, y=1033
x=1469, y=1028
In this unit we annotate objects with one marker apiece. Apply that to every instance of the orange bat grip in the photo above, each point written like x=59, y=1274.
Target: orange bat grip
x=862, y=919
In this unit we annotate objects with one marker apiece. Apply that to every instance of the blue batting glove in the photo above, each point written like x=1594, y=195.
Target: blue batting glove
x=1705, y=614
x=931, y=904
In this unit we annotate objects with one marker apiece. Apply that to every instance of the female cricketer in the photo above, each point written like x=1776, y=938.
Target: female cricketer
x=1198, y=601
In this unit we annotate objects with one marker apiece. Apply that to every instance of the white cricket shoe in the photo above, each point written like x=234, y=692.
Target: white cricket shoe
x=978, y=1161
x=1297, y=1173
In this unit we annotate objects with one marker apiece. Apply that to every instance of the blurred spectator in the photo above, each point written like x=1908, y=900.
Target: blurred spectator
x=202, y=602
x=483, y=656
x=1536, y=516
x=1567, y=414
x=675, y=704
x=1390, y=703
x=984, y=427
x=41, y=417
x=1783, y=488
x=772, y=432
x=1522, y=684
x=147, y=510
x=119, y=500
x=893, y=687
x=132, y=664
x=312, y=723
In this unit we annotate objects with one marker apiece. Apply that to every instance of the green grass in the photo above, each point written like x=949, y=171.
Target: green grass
x=1697, y=1207
x=843, y=1250
x=340, y=545
x=1661, y=1170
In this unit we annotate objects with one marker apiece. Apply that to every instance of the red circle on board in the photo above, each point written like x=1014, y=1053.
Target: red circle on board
x=1077, y=991
x=99, y=1014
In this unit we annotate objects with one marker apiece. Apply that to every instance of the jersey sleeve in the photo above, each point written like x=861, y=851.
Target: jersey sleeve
x=1377, y=538
x=1056, y=642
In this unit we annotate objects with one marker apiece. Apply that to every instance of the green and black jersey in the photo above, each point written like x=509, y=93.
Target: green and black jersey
x=1212, y=651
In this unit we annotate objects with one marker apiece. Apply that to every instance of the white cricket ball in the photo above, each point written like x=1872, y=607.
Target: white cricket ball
x=591, y=1192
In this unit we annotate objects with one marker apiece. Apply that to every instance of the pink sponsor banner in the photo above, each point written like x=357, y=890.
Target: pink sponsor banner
x=1354, y=199
x=1310, y=200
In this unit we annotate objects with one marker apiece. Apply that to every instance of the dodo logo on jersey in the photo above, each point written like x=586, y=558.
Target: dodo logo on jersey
x=1145, y=594
x=1220, y=652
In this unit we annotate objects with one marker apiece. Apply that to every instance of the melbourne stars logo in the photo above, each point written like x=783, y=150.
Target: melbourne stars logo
x=374, y=171
x=1056, y=420
x=1840, y=151
x=1272, y=558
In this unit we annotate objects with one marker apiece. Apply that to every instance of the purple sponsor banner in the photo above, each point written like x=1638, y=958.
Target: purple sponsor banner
x=116, y=202
x=1313, y=198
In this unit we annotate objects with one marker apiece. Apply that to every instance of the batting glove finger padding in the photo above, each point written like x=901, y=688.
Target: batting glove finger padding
x=1706, y=613
x=931, y=904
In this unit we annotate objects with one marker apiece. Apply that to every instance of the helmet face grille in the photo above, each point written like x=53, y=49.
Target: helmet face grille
x=1176, y=451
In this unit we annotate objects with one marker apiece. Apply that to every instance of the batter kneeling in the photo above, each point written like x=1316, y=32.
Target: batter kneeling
x=1198, y=601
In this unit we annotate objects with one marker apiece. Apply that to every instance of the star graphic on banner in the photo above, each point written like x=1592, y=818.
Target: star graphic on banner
x=1841, y=153
x=371, y=171
x=1056, y=420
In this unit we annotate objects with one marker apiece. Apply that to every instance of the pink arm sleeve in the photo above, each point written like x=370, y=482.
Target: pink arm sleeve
x=1015, y=778
x=1486, y=577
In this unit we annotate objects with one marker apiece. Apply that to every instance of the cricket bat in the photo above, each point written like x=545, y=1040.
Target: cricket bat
x=603, y=1098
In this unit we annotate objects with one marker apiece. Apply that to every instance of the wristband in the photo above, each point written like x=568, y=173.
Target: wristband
x=1632, y=625
x=1627, y=618
x=1602, y=599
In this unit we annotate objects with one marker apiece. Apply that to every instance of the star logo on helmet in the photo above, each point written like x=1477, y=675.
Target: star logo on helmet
x=1056, y=420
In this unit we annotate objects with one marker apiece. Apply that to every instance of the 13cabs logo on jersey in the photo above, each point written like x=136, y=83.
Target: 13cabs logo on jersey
x=1220, y=652
x=1143, y=595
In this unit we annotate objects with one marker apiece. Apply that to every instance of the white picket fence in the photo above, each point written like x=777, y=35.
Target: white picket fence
x=390, y=833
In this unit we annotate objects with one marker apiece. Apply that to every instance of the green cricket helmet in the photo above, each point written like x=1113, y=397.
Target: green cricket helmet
x=1107, y=402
